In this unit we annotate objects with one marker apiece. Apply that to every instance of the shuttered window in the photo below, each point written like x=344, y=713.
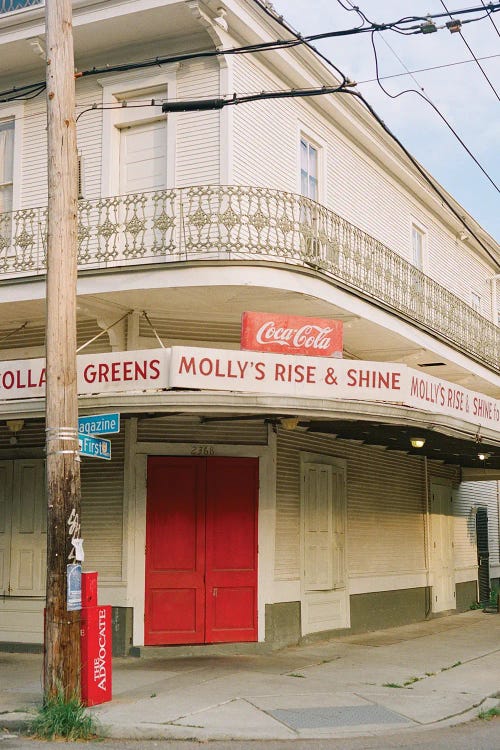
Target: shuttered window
x=323, y=519
x=318, y=527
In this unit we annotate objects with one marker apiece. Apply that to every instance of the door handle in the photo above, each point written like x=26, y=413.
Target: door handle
x=214, y=592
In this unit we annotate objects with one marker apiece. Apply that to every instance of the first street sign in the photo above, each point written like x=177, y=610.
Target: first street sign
x=99, y=424
x=94, y=446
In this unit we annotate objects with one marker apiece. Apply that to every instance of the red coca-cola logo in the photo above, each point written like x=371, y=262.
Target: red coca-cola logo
x=291, y=334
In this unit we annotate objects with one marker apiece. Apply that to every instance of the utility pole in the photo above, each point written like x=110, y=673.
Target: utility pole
x=62, y=628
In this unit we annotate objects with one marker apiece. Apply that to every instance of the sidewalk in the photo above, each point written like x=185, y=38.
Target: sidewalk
x=443, y=672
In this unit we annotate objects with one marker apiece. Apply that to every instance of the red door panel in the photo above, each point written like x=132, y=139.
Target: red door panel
x=175, y=551
x=201, y=550
x=231, y=550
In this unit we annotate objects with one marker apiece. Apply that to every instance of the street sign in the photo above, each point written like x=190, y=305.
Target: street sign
x=99, y=424
x=94, y=446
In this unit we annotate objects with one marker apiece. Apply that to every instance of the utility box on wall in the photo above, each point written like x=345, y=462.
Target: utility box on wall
x=96, y=645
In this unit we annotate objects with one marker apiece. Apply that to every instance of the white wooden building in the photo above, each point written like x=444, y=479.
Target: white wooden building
x=253, y=512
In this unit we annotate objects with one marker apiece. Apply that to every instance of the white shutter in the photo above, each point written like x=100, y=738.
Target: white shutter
x=5, y=523
x=339, y=528
x=318, y=527
x=143, y=157
x=29, y=524
x=442, y=558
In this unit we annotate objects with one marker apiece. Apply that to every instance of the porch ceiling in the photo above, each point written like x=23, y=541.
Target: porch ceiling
x=438, y=446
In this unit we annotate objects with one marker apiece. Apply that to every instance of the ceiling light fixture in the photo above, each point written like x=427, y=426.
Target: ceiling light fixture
x=289, y=423
x=483, y=456
x=417, y=442
x=15, y=426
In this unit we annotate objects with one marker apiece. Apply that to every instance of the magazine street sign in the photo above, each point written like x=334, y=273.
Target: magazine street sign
x=95, y=447
x=99, y=424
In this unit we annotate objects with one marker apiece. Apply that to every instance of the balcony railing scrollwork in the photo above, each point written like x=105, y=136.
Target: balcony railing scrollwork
x=233, y=222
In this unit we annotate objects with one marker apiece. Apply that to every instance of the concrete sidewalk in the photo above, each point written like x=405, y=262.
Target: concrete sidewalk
x=438, y=672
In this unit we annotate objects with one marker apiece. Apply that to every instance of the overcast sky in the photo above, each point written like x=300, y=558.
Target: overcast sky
x=460, y=92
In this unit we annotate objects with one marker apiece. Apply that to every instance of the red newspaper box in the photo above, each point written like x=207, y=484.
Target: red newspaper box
x=95, y=641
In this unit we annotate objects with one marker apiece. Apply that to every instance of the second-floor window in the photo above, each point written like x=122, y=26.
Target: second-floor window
x=475, y=301
x=6, y=164
x=143, y=157
x=417, y=246
x=308, y=169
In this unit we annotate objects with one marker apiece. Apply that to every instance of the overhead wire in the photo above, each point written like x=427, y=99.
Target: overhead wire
x=491, y=19
x=435, y=108
x=147, y=103
x=276, y=44
x=425, y=70
x=473, y=54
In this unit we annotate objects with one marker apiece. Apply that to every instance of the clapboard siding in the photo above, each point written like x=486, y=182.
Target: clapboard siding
x=385, y=507
x=197, y=138
x=355, y=185
x=468, y=496
x=34, y=157
x=102, y=497
x=33, y=335
x=191, y=430
x=210, y=331
x=89, y=135
x=265, y=133
x=102, y=511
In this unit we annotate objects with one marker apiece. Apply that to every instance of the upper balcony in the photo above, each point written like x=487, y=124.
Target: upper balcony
x=224, y=223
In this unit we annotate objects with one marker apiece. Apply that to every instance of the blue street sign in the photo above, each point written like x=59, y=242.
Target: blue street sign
x=99, y=424
x=94, y=446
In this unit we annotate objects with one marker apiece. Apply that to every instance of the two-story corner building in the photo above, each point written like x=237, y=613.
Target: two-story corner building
x=250, y=496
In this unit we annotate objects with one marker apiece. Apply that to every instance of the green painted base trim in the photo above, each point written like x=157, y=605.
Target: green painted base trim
x=283, y=624
x=466, y=595
x=12, y=647
x=208, y=649
x=121, y=625
x=388, y=609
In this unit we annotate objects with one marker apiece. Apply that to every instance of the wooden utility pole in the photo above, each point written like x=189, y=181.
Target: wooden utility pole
x=62, y=629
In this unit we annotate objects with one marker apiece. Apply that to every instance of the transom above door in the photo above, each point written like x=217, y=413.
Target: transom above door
x=201, y=550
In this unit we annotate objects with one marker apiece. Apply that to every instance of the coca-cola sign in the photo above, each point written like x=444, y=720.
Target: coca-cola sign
x=291, y=334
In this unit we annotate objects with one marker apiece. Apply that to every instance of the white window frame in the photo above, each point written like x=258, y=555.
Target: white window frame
x=476, y=301
x=14, y=111
x=313, y=140
x=416, y=227
x=116, y=89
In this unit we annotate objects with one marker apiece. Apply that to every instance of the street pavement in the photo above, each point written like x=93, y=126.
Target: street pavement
x=423, y=676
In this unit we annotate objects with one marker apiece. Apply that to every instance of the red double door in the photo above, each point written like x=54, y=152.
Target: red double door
x=201, y=550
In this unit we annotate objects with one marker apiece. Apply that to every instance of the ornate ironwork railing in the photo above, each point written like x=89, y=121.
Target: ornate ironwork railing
x=226, y=222
x=8, y=5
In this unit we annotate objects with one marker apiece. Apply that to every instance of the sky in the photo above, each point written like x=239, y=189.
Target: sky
x=461, y=92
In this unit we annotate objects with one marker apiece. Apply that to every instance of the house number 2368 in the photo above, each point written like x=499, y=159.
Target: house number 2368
x=202, y=450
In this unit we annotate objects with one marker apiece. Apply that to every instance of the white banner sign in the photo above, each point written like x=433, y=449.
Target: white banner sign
x=258, y=372
x=286, y=375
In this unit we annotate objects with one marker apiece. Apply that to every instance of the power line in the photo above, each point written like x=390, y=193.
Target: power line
x=491, y=19
x=35, y=89
x=424, y=70
x=438, y=111
x=472, y=53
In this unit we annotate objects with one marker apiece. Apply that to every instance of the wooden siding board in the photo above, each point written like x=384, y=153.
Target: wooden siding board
x=382, y=538
x=189, y=430
x=468, y=496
